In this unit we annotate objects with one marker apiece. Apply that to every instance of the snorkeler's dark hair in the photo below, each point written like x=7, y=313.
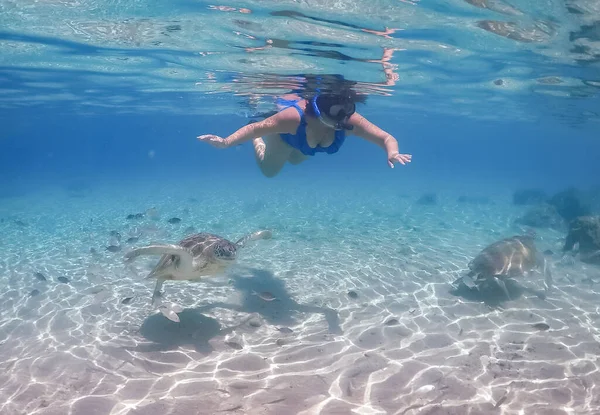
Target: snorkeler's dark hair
x=331, y=90
x=328, y=98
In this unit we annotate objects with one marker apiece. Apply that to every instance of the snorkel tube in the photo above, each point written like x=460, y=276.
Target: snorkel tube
x=339, y=125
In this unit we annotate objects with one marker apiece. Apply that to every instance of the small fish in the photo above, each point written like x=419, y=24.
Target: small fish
x=548, y=252
x=93, y=251
x=174, y=220
x=34, y=293
x=135, y=216
x=126, y=300
x=116, y=235
x=265, y=295
x=391, y=322
x=20, y=223
x=461, y=331
x=132, y=240
x=286, y=330
x=40, y=276
x=540, y=326
x=97, y=289
x=64, y=280
x=352, y=294
x=234, y=345
x=113, y=248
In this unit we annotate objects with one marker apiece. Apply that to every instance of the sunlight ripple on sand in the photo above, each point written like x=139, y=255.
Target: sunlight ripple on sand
x=402, y=345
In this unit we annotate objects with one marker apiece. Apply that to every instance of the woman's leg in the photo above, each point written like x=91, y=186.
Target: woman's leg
x=271, y=154
x=296, y=157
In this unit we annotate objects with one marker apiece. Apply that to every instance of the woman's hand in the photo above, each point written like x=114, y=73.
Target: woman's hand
x=394, y=158
x=214, y=140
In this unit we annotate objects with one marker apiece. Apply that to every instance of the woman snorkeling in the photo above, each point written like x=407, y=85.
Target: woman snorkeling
x=304, y=127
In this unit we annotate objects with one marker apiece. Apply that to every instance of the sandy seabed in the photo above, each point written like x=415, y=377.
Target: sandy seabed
x=363, y=321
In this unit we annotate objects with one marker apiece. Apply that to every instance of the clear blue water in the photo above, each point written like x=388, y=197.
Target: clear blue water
x=101, y=103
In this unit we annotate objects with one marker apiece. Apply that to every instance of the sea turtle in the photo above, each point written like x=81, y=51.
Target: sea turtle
x=585, y=232
x=508, y=258
x=196, y=256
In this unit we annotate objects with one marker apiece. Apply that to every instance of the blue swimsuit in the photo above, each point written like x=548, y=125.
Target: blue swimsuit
x=298, y=140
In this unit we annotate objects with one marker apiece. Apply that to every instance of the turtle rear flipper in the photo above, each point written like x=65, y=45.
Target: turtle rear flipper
x=502, y=285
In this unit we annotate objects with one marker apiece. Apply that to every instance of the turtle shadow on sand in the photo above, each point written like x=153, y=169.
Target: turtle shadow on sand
x=491, y=295
x=196, y=329
x=278, y=311
x=193, y=329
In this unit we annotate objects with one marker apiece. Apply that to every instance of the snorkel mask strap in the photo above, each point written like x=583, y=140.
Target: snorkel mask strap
x=314, y=99
x=314, y=105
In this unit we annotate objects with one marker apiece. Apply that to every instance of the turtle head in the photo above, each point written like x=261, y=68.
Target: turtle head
x=225, y=251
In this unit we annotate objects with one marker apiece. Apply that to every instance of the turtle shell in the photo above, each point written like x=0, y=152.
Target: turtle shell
x=509, y=257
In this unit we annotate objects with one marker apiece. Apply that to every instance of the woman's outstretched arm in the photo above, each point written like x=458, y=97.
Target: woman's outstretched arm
x=365, y=129
x=285, y=121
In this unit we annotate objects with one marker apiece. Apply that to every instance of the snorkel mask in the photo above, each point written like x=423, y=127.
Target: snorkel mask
x=339, y=113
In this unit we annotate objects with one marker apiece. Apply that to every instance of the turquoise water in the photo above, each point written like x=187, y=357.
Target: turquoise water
x=101, y=106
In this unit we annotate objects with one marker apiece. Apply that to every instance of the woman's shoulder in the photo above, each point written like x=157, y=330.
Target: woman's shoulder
x=287, y=118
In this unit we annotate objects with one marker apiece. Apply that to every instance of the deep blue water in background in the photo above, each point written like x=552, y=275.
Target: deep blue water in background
x=42, y=149
x=493, y=94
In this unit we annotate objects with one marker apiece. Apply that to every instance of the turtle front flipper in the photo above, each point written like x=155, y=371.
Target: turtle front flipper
x=182, y=259
x=185, y=259
x=264, y=234
x=469, y=282
x=157, y=295
x=158, y=250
